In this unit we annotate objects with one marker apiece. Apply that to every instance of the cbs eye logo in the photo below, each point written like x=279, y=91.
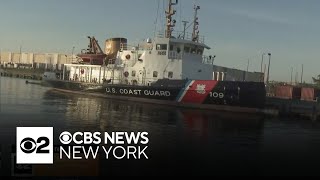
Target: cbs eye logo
x=34, y=145
x=65, y=137
x=29, y=145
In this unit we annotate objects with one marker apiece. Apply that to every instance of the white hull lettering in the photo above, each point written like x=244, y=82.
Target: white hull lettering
x=216, y=95
x=138, y=92
x=156, y=93
x=111, y=90
x=130, y=92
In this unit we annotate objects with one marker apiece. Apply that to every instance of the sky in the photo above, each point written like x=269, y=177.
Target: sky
x=238, y=31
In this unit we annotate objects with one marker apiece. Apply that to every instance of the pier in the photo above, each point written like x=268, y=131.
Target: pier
x=293, y=101
x=294, y=107
x=35, y=74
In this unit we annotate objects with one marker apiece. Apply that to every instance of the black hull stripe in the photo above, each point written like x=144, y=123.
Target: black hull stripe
x=237, y=94
x=170, y=103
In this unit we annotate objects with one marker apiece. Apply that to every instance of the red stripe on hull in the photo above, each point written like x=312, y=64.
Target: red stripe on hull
x=199, y=91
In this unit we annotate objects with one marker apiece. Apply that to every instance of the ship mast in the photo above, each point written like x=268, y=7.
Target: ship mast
x=195, y=31
x=170, y=22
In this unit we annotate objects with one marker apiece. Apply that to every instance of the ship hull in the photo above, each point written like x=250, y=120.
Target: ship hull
x=202, y=94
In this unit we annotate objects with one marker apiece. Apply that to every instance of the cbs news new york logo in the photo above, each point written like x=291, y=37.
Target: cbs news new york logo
x=34, y=145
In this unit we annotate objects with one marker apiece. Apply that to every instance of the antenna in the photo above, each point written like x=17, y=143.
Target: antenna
x=195, y=32
x=301, y=73
x=156, y=21
x=170, y=22
x=184, y=28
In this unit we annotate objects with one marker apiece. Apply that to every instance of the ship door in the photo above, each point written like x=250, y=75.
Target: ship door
x=139, y=77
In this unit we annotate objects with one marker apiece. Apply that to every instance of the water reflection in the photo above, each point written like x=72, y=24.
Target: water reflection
x=180, y=139
x=185, y=141
x=107, y=114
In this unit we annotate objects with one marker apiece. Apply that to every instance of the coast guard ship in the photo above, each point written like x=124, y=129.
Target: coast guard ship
x=169, y=69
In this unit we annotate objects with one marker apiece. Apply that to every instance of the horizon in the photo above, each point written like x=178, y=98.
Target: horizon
x=235, y=31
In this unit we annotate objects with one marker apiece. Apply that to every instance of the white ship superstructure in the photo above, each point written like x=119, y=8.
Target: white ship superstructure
x=169, y=55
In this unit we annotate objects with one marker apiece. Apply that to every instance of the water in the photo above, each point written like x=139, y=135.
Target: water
x=182, y=141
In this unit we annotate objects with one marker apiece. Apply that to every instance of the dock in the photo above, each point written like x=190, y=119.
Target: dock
x=34, y=74
x=295, y=101
x=294, y=107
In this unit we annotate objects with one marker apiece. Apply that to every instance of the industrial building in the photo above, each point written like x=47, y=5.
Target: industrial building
x=51, y=61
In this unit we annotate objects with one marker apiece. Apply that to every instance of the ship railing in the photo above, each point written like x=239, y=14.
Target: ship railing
x=181, y=35
x=174, y=55
x=127, y=47
x=207, y=59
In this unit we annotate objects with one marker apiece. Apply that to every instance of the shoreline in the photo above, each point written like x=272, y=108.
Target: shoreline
x=34, y=74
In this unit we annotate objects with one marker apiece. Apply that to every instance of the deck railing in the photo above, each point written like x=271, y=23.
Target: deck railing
x=181, y=35
x=207, y=60
x=126, y=47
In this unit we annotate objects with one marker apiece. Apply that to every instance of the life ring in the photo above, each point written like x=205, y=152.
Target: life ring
x=82, y=71
x=126, y=74
x=128, y=56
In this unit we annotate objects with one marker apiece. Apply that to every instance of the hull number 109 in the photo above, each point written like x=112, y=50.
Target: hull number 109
x=216, y=95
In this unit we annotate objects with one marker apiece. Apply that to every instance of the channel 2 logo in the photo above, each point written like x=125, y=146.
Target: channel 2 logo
x=34, y=145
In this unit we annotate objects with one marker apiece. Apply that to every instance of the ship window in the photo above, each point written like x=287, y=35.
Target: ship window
x=170, y=74
x=155, y=73
x=162, y=47
x=133, y=74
